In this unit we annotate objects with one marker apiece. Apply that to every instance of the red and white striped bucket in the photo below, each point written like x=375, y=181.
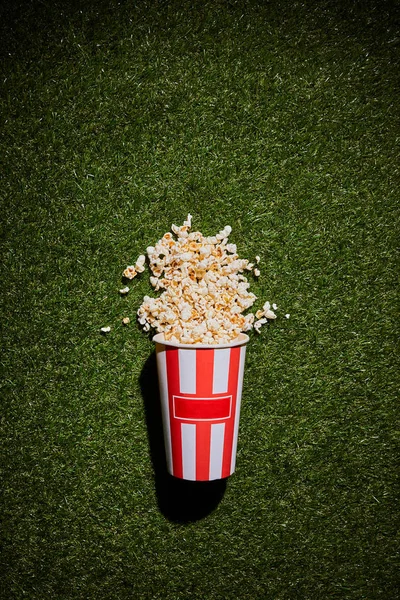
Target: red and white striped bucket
x=200, y=389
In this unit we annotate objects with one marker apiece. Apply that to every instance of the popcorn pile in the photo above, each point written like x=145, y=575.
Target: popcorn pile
x=204, y=289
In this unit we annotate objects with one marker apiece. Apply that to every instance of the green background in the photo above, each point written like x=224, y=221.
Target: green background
x=280, y=119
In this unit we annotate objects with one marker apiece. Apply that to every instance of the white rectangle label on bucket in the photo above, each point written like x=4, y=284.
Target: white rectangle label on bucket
x=238, y=405
x=187, y=371
x=221, y=370
x=163, y=386
x=189, y=451
x=216, y=450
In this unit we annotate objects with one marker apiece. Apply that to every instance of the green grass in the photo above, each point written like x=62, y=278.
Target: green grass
x=280, y=119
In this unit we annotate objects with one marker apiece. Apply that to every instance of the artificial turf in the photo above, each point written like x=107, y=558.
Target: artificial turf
x=281, y=120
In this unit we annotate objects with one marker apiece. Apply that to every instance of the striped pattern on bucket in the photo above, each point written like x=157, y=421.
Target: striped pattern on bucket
x=201, y=394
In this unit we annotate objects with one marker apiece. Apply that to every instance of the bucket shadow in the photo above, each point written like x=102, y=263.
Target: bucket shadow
x=179, y=500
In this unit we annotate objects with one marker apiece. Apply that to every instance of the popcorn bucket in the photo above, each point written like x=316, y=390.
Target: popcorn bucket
x=200, y=389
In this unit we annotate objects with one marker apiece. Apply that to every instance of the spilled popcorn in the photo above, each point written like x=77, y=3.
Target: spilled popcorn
x=132, y=271
x=204, y=290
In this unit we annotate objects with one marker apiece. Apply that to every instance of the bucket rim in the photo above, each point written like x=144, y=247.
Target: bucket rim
x=241, y=340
